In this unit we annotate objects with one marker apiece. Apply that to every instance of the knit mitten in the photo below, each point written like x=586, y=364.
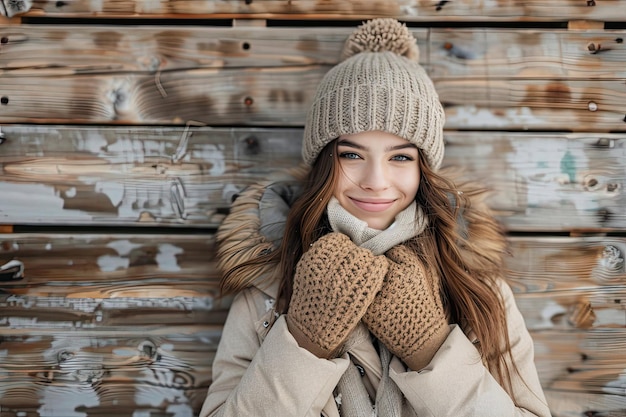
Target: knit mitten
x=334, y=283
x=407, y=315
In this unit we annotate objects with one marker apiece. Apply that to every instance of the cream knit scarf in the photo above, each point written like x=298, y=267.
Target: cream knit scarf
x=355, y=401
x=405, y=226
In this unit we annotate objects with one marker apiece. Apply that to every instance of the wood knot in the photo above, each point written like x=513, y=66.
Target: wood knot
x=64, y=355
x=89, y=376
x=458, y=52
x=14, y=7
x=593, y=47
x=605, y=143
x=609, y=266
x=253, y=145
x=581, y=315
x=591, y=183
x=612, y=187
x=611, y=258
x=147, y=349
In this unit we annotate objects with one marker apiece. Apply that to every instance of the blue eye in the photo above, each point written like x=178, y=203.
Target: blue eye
x=349, y=155
x=402, y=158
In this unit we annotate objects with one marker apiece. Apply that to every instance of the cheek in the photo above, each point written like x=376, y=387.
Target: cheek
x=411, y=183
x=346, y=177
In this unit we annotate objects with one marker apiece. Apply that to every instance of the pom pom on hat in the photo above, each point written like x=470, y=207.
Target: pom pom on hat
x=382, y=35
x=378, y=86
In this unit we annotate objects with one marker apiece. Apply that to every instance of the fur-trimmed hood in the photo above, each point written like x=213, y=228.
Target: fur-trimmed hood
x=256, y=223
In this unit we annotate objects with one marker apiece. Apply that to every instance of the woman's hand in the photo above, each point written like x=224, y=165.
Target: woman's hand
x=408, y=315
x=334, y=283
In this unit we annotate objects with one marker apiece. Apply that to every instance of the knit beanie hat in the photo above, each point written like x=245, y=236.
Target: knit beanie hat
x=379, y=85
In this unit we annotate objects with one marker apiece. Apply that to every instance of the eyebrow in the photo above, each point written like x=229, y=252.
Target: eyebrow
x=346, y=142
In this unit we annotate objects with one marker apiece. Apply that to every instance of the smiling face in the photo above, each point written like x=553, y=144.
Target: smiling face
x=378, y=176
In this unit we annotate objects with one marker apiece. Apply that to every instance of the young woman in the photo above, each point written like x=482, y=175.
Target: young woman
x=369, y=284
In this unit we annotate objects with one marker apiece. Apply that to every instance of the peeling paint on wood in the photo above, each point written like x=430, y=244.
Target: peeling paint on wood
x=10, y=8
x=541, y=181
x=411, y=10
x=126, y=175
x=111, y=371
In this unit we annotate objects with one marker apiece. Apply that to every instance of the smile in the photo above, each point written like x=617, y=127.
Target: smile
x=372, y=205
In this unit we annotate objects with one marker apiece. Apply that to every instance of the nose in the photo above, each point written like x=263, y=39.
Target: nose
x=375, y=176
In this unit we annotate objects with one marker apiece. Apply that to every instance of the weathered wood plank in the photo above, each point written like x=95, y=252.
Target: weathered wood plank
x=589, y=364
x=164, y=176
x=448, y=53
x=572, y=294
x=108, y=281
x=544, y=181
x=67, y=311
x=559, y=264
x=67, y=374
x=534, y=104
x=109, y=260
x=410, y=10
x=85, y=281
x=529, y=54
x=282, y=95
x=267, y=76
x=64, y=49
x=249, y=96
x=139, y=176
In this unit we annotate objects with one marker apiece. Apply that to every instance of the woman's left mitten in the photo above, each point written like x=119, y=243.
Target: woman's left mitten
x=407, y=315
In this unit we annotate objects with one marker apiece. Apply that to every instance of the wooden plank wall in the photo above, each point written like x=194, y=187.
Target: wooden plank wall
x=127, y=127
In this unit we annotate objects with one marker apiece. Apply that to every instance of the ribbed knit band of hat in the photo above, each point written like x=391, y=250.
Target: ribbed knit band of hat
x=378, y=86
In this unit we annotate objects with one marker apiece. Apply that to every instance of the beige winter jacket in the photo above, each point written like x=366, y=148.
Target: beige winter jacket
x=259, y=369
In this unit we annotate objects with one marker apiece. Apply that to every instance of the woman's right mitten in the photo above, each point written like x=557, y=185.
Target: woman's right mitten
x=334, y=283
x=408, y=315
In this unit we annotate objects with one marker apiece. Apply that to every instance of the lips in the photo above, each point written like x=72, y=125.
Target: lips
x=372, y=205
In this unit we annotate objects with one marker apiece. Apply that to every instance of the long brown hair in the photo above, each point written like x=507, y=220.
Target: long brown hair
x=467, y=253
x=468, y=271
